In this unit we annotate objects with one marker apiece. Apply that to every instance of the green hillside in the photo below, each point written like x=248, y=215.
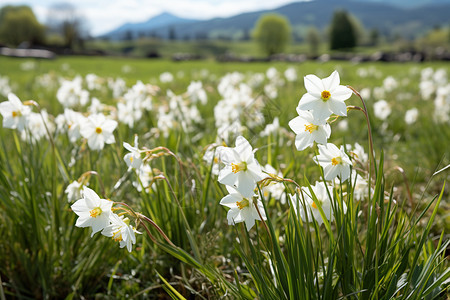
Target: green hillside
x=386, y=18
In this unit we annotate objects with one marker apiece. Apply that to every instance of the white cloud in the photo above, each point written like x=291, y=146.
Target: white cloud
x=105, y=15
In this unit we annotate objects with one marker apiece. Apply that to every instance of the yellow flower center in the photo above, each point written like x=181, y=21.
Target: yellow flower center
x=311, y=128
x=216, y=160
x=95, y=212
x=326, y=95
x=243, y=203
x=336, y=160
x=314, y=205
x=117, y=236
x=98, y=130
x=242, y=166
x=16, y=114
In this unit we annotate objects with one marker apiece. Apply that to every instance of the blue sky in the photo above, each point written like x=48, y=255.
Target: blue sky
x=105, y=15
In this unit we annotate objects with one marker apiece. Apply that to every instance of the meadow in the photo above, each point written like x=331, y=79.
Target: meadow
x=155, y=137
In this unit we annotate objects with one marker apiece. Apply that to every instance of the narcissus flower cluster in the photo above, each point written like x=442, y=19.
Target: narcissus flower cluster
x=323, y=98
x=94, y=212
x=14, y=113
x=240, y=175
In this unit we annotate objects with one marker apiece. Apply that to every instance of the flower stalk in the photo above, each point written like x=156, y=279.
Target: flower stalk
x=366, y=115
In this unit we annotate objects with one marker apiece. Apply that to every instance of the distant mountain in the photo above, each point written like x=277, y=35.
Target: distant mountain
x=134, y=30
x=373, y=14
x=409, y=3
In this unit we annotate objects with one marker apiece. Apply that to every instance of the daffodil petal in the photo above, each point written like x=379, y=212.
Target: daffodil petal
x=313, y=85
x=331, y=82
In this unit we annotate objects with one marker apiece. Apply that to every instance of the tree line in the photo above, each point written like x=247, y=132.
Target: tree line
x=66, y=27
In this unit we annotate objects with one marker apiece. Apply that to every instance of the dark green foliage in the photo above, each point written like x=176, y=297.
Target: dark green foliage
x=313, y=39
x=19, y=24
x=374, y=37
x=342, y=33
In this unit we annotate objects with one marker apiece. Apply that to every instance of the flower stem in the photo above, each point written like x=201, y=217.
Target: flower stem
x=371, y=150
x=145, y=218
x=262, y=220
x=149, y=234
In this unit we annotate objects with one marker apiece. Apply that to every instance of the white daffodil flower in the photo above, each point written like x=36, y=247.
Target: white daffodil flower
x=290, y=74
x=309, y=130
x=196, y=92
x=73, y=122
x=92, y=211
x=73, y=191
x=121, y=231
x=14, y=113
x=411, y=116
x=242, y=208
x=334, y=161
x=360, y=187
x=36, y=126
x=306, y=201
x=358, y=152
x=382, y=109
x=98, y=130
x=325, y=96
x=71, y=93
x=241, y=170
x=211, y=157
x=133, y=159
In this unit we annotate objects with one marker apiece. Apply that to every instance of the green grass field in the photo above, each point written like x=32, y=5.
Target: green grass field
x=389, y=243
x=213, y=48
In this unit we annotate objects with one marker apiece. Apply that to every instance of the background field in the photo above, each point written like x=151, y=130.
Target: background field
x=44, y=255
